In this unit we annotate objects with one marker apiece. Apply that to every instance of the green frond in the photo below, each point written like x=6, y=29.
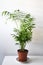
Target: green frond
x=23, y=34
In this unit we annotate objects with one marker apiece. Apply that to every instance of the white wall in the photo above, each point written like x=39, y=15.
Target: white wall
x=35, y=8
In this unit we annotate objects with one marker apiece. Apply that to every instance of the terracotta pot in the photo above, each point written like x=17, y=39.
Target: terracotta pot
x=22, y=55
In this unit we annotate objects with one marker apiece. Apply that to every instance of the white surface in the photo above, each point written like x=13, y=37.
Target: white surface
x=35, y=8
x=32, y=60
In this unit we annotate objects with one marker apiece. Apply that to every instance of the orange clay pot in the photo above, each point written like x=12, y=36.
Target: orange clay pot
x=22, y=55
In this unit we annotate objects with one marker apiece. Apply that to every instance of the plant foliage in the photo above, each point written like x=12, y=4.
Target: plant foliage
x=23, y=34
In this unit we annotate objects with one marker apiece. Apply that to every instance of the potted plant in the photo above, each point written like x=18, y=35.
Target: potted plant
x=24, y=33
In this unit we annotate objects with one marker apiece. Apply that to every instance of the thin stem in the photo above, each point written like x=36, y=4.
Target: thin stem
x=16, y=24
x=22, y=45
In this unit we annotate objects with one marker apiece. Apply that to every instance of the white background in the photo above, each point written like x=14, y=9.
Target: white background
x=35, y=8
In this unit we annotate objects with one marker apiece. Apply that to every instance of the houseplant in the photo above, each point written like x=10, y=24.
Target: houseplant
x=24, y=33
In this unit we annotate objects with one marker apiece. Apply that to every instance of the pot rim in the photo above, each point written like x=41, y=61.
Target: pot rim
x=25, y=50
